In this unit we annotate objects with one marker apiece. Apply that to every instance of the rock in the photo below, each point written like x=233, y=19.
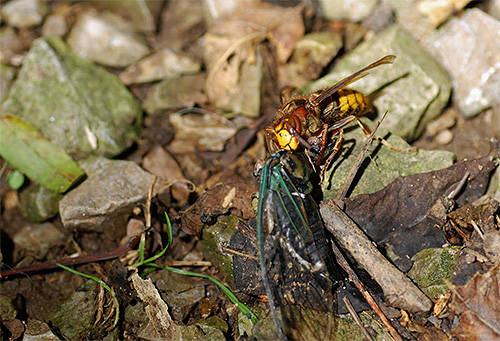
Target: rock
x=7, y=307
x=181, y=293
x=432, y=268
x=7, y=74
x=160, y=163
x=24, y=13
x=176, y=93
x=37, y=239
x=381, y=18
x=445, y=121
x=233, y=85
x=76, y=315
x=181, y=24
x=38, y=330
x=444, y=137
x=142, y=13
x=215, y=240
x=76, y=104
x=419, y=87
x=381, y=168
x=347, y=10
x=54, y=26
x=106, y=39
x=103, y=202
x=494, y=9
x=213, y=327
x=11, y=45
x=40, y=203
x=162, y=64
x=475, y=67
x=438, y=11
x=205, y=131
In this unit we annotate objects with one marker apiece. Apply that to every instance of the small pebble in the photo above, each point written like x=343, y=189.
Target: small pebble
x=444, y=137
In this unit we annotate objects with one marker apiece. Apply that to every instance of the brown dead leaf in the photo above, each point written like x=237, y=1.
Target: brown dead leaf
x=477, y=305
x=397, y=216
x=232, y=196
x=234, y=59
x=156, y=308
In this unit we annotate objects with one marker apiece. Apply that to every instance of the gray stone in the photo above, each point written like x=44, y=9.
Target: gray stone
x=432, y=269
x=106, y=39
x=40, y=203
x=175, y=93
x=24, y=13
x=469, y=48
x=36, y=240
x=11, y=45
x=494, y=9
x=75, y=103
x=37, y=330
x=143, y=13
x=162, y=64
x=76, y=314
x=103, y=202
x=414, y=90
x=54, y=26
x=7, y=74
x=233, y=84
x=7, y=307
x=181, y=293
x=381, y=168
x=347, y=9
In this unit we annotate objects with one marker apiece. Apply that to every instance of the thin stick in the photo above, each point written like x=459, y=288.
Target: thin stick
x=398, y=289
x=362, y=289
x=356, y=318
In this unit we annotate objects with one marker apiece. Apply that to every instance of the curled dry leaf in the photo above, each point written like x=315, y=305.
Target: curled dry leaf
x=397, y=217
x=156, y=308
x=233, y=59
x=477, y=302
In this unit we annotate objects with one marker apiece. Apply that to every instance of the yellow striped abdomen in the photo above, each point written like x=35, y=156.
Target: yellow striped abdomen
x=346, y=102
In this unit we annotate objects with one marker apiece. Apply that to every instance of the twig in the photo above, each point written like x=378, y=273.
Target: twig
x=398, y=289
x=74, y=261
x=187, y=263
x=362, y=289
x=356, y=318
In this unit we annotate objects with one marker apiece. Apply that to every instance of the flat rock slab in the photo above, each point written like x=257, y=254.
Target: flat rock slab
x=104, y=201
x=414, y=90
x=75, y=103
x=469, y=48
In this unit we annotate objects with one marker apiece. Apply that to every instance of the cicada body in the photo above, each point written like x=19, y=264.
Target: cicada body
x=297, y=264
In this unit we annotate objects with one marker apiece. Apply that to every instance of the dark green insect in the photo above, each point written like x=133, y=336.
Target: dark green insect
x=297, y=265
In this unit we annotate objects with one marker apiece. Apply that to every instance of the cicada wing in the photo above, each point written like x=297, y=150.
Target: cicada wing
x=293, y=263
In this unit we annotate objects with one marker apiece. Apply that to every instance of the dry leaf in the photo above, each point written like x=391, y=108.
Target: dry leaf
x=477, y=305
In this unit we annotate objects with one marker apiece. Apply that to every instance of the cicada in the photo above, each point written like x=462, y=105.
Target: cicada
x=297, y=264
x=308, y=120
